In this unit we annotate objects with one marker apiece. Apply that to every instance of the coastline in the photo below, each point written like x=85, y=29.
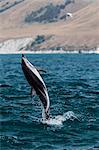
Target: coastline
x=51, y=52
x=19, y=46
x=32, y=52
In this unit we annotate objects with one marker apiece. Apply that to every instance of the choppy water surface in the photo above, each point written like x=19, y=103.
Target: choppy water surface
x=73, y=85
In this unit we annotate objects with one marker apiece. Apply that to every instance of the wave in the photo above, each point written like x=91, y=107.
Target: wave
x=4, y=85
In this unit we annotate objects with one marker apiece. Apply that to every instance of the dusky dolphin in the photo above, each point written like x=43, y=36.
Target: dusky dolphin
x=37, y=84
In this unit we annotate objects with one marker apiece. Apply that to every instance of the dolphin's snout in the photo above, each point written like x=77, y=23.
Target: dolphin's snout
x=22, y=55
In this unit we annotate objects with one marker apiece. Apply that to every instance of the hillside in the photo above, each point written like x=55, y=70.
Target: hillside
x=26, y=18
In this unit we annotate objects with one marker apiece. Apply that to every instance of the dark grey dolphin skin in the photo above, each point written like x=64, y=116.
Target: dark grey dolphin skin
x=37, y=84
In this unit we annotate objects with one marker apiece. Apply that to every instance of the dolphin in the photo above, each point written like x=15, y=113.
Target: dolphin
x=37, y=84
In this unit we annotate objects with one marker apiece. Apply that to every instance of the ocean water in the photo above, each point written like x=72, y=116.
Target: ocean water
x=72, y=81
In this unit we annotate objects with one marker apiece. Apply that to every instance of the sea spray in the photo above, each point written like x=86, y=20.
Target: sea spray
x=60, y=119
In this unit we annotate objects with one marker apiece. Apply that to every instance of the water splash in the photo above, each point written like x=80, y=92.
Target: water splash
x=60, y=119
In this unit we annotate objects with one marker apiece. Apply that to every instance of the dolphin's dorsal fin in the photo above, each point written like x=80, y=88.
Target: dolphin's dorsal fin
x=33, y=93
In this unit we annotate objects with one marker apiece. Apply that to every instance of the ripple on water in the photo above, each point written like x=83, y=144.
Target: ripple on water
x=73, y=86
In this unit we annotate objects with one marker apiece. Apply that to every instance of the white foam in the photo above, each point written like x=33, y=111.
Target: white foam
x=60, y=119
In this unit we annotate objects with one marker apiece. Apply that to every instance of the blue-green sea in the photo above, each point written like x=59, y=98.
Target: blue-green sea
x=72, y=81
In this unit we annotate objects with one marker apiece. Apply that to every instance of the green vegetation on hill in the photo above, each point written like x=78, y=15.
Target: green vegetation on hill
x=8, y=5
x=49, y=13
